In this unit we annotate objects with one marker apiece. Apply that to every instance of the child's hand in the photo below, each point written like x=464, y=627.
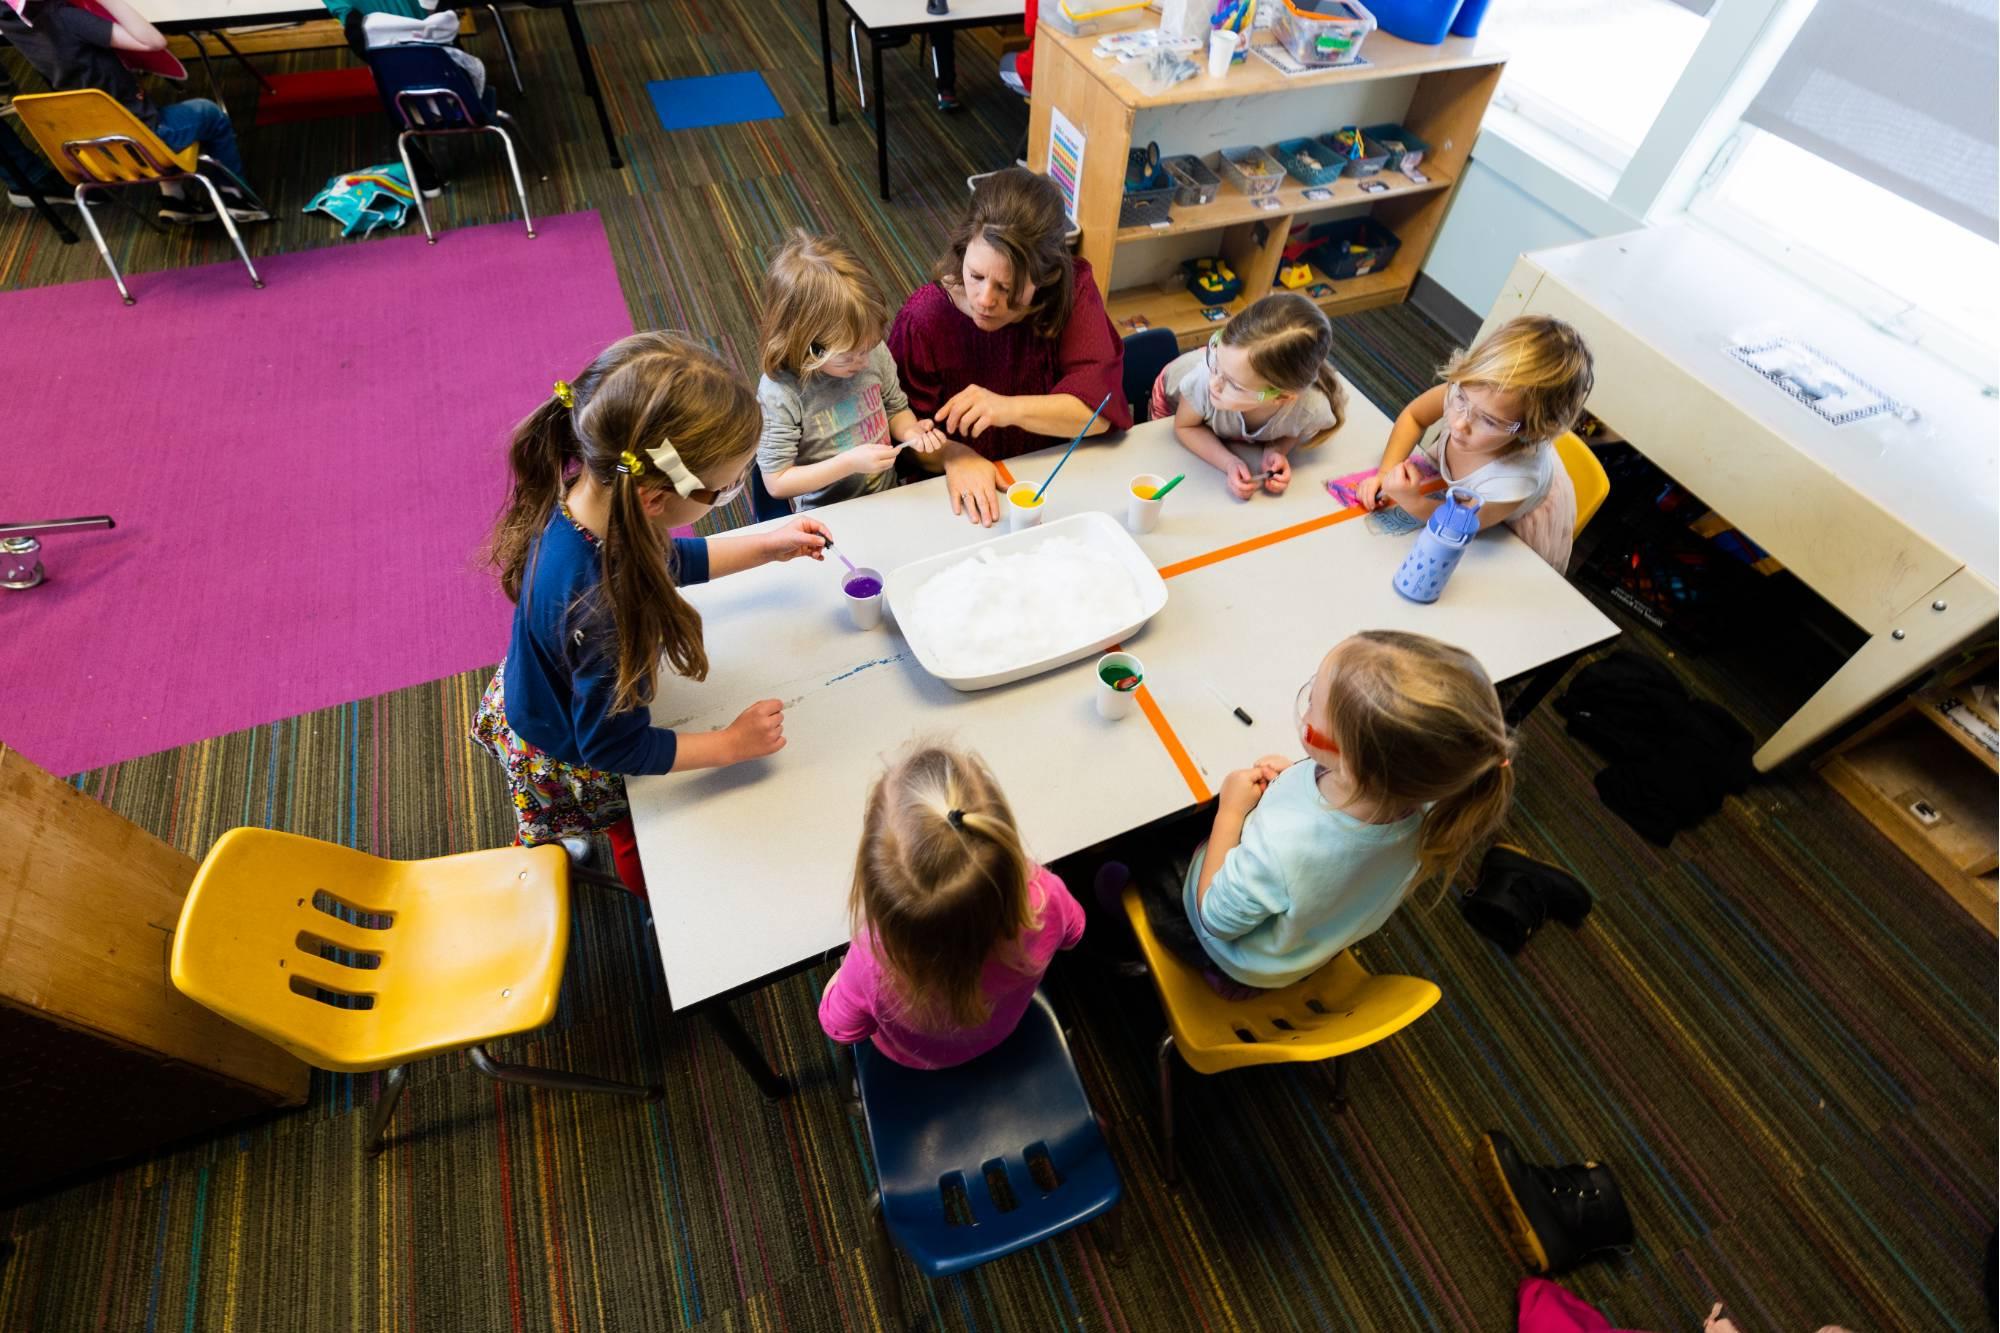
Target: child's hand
x=1369, y=492
x=972, y=409
x=1241, y=791
x=928, y=439
x=1272, y=766
x=1280, y=469
x=801, y=536
x=866, y=460
x=1242, y=481
x=1403, y=483
x=757, y=731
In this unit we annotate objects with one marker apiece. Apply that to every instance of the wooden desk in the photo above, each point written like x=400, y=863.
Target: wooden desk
x=749, y=866
x=1892, y=522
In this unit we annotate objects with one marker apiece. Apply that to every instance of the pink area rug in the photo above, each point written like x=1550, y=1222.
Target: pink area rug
x=302, y=477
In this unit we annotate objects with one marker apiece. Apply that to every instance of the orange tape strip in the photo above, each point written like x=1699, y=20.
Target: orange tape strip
x=1175, y=750
x=1006, y=477
x=1220, y=554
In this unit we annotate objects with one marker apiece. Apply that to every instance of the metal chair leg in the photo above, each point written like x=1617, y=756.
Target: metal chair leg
x=722, y=1018
x=558, y=1080
x=506, y=45
x=854, y=48
x=103, y=250
x=229, y=225
x=514, y=165
x=1169, y=1165
x=1339, y=1083
x=882, y=1253
x=410, y=175
x=385, y=1108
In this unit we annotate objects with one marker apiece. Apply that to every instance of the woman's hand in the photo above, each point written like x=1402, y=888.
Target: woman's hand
x=757, y=731
x=969, y=412
x=974, y=484
x=1403, y=483
x=1242, y=481
x=801, y=536
x=1279, y=468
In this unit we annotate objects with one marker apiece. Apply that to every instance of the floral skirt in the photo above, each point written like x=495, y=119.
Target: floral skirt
x=552, y=798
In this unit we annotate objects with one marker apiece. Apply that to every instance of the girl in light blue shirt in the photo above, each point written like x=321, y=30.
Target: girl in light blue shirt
x=1408, y=769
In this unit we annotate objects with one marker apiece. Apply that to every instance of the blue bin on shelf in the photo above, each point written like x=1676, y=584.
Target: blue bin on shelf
x=1469, y=14
x=1423, y=21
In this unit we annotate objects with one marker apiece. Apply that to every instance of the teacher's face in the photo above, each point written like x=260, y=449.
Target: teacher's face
x=994, y=297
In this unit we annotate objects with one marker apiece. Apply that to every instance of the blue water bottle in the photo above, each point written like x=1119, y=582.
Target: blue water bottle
x=1443, y=540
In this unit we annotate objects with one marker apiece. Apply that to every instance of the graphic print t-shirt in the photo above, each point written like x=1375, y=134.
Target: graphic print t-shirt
x=820, y=417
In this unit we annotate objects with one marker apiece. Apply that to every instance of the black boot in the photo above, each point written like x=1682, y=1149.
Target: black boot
x=1567, y=901
x=1517, y=894
x=1556, y=1216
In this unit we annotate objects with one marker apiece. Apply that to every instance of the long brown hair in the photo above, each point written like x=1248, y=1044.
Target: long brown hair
x=1290, y=344
x=1020, y=214
x=639, y=391
x=1539, y=357
x=941, y=883
x=1419, y=724
x=820, y=301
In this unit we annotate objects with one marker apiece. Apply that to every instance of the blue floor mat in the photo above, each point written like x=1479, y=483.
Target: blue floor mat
x=714, y=99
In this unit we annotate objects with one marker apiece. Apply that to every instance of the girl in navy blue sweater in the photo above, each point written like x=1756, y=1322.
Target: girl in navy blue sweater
x=653, y=434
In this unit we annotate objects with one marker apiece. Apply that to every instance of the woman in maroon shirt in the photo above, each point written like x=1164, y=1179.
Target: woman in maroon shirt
x=1008, y=349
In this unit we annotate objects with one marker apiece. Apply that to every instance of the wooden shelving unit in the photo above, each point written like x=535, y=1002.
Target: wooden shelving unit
x=1439, y=93
x=1929, y=785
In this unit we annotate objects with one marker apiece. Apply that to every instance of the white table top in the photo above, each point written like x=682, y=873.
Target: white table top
x=226, y=13
x=1689, y=295
x=876, y=15
x=749, y=866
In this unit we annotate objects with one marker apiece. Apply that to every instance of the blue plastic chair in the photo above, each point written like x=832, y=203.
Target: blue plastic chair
x=1147, y=353
x=763, y=504
x=939, y=1130
x=426, y=93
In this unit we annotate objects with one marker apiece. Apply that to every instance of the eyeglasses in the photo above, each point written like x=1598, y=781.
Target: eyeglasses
x=1314, y=738
x=820, y=358
x=1217, y=379
x=1459, y=404
x=703, y=495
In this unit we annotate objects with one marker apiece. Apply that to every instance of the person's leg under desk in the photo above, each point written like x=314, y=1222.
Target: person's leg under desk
x=944, y=54
x=201, y=121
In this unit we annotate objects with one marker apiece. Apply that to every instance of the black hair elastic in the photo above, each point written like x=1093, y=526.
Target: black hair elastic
x=956, y=818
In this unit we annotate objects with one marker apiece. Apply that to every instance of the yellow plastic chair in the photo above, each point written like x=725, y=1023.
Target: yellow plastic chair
x=354, y=963
x=1586, y=475
x=99, y=145
x=1328, y=1016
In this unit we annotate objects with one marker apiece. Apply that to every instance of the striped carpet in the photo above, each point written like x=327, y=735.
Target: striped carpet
x=1778, y=1033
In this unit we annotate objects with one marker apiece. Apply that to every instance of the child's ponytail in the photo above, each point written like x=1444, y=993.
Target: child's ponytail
x=1457, y=824
x=651, y=619
x=539, y=456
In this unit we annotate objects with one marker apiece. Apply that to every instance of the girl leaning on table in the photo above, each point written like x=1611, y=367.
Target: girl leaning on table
x=651, y=435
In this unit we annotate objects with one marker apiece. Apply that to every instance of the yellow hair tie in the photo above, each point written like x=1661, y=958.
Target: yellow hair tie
x=631, y=464
x=566, y=395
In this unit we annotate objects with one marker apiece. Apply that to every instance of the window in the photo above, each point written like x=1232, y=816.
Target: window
x=1594, y=74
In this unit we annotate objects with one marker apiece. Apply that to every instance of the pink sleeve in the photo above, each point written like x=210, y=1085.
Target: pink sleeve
x=1065, y=912
x=847, y=1009
x=1090, y=356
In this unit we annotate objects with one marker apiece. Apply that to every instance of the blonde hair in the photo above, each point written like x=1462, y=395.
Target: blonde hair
x=639, y=391
x=1290, y=343
x=819, y=303
x=940, y=883
x=1419, y=724
x=1543, y=360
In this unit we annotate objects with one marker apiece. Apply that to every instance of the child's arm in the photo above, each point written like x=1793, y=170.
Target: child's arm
x=129, y=29
x=1241, y=791
x=801, y=536
x=1274, y=466
x=1205, y=444
x=1421, y=413
x=757, y=731
x=805, y=478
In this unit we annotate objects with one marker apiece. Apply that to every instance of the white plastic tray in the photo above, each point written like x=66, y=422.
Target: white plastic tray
x=1093, y=529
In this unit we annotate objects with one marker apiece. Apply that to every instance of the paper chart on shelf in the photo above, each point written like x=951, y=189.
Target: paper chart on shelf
x=1278, y=58
x=1065, y=158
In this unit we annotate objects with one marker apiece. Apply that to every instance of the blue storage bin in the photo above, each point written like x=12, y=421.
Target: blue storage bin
x=1469, y=14
x=1422, y=21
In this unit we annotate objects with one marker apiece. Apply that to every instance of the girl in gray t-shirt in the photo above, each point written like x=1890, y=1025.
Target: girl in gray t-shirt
x=1261, y=388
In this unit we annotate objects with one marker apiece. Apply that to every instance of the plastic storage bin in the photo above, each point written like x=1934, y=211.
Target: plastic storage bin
x=1406, y=151
x=1469, y=15
x=1355, y=247
x=1422, y=21
x=1373, y=155
x=1194, y=182
x=1251, y=170
x=1082, y=18
x=1308, y=161
x=1142, y=208
x=1322, y=32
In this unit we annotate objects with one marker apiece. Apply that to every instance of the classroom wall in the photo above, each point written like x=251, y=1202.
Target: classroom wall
x=1493, y=220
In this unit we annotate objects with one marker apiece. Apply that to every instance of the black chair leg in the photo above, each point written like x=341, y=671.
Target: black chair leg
x=1169, y=1166
x=882, y=1258
x=770, y=1082
x=1339, y=1084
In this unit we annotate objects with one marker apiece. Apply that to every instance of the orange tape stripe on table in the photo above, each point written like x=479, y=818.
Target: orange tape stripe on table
x=1222, y=553
x=1175, y=750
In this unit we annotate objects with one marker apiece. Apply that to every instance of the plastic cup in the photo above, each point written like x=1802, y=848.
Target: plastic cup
x=1023, y=509
x=863, y=590
x=1142, y=511
x=1222, y=44
x=1116, y=703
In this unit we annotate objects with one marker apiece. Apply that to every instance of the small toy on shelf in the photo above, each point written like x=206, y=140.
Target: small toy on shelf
x=1212, y=280
x=1294, y=276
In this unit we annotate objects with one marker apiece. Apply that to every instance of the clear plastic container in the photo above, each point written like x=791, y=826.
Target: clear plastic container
x=1252, y=170
x=1194, y=182
x=1322, y=32
x=1085, y=18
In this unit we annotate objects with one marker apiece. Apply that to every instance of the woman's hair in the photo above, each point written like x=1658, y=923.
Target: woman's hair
x=1419, y=724
x=941, y=883
x=1542, y=359
x=639, y=392
x=1290, y=344
x=1020, y=214
x=819, y=302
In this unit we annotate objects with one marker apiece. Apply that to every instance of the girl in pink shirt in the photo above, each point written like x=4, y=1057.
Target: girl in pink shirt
x=953, y=924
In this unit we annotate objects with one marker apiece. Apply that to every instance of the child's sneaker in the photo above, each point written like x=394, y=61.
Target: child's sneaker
x=949, y=103
x=55, y=197
x=185, y=210
x=1555, y=1216
x=243, y=207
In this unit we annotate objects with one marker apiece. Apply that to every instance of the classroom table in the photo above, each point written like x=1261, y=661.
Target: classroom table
x=749, y=866
x=1892, y=521
x=195, y=17
x=893, y=23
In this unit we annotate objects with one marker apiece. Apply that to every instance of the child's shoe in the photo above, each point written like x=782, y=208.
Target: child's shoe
x=1516, y=895
x=1556, y=1216
x=949, y=103
x=1566, y=899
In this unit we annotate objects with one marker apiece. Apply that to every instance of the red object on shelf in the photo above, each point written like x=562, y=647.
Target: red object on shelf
x=318, y=94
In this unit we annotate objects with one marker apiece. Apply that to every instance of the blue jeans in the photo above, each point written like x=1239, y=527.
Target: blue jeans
x=201, y=121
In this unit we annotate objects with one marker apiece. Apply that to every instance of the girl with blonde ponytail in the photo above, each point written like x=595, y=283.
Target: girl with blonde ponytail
x=650, y=436
x=1409, y=768
x=953, y=923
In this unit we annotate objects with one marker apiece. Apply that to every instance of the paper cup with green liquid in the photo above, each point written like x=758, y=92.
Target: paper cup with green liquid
x=1119, y=676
